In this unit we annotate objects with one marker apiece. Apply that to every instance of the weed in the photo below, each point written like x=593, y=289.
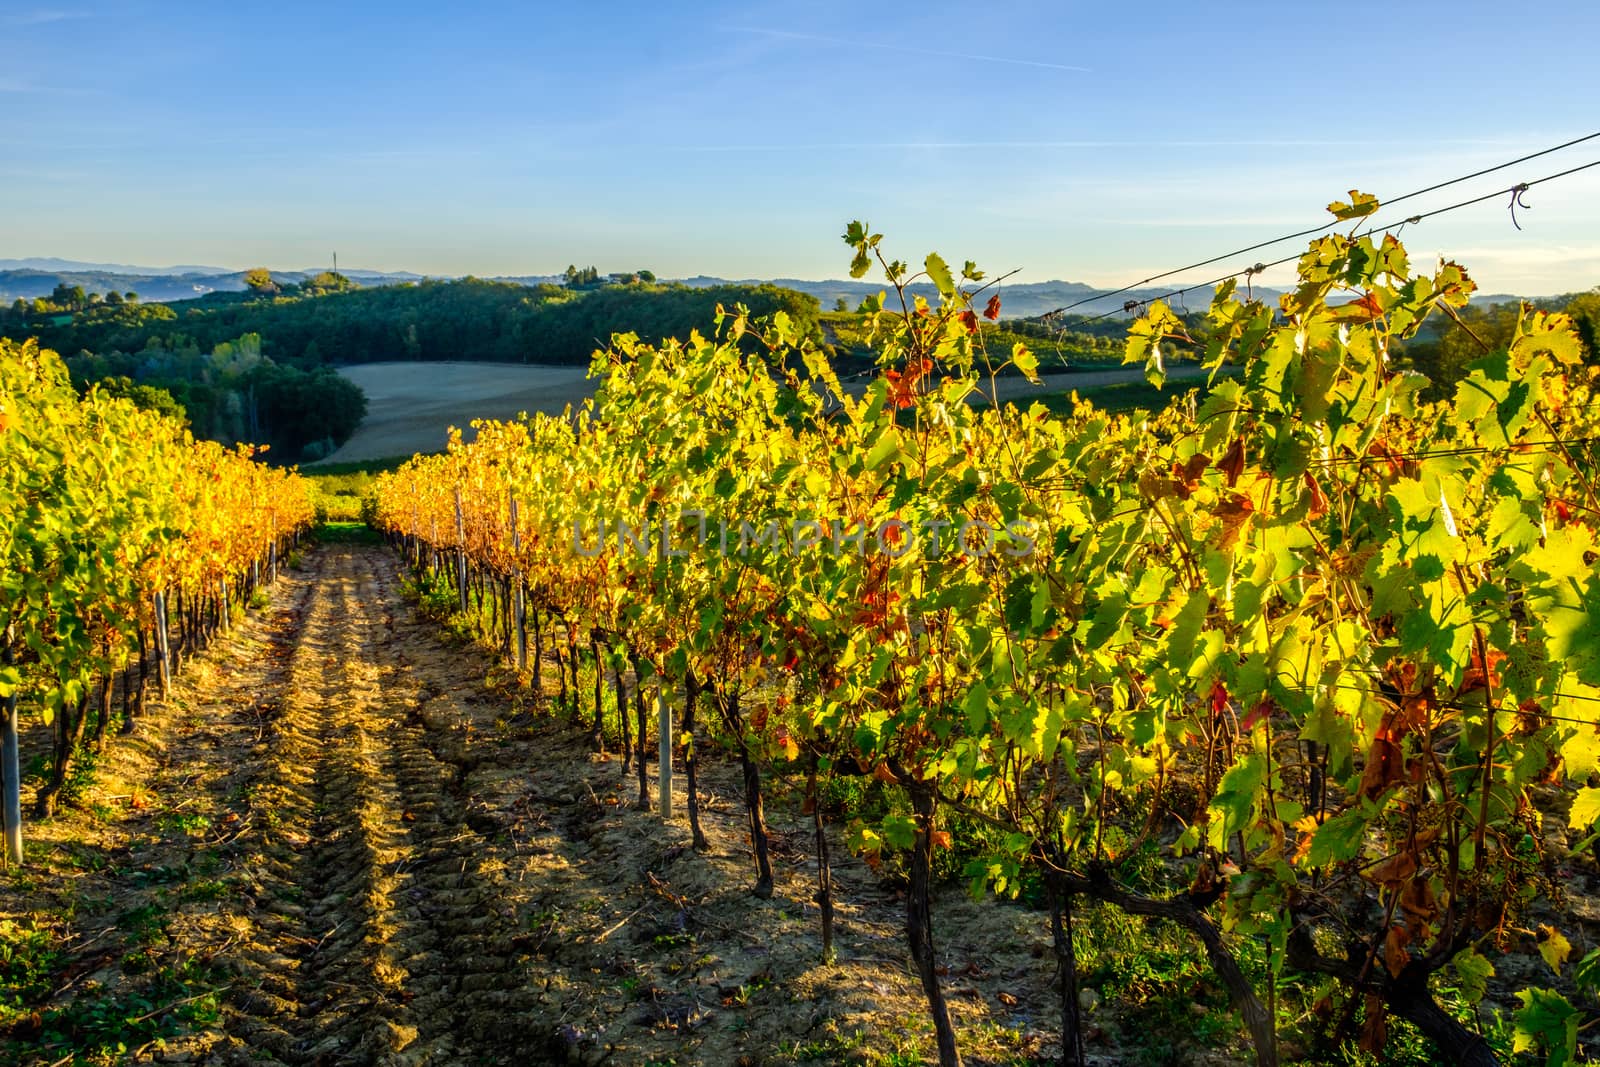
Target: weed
x=673, y=940
x=204, y=889
x=147, y=924
x=80, y=775
x=188, y=822
x=98, y=1026
x=28, y=959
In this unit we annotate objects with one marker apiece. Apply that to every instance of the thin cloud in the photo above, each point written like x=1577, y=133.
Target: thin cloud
x=15, y=85
x=41, y=17
x=974, y=57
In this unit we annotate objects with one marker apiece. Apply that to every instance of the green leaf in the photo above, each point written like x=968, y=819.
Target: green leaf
x=976, y=705
x=900, y=830
x=939, y=274
x=1338, y=839
x=887, y=448
x=1586, y=972
x=1474, y=971
x=1236, y=795
x=1548, y=1022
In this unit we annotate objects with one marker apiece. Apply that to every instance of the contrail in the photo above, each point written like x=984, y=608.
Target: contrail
x=856, y=145
x=903, y=48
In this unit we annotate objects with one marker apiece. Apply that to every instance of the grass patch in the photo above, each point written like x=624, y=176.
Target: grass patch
x=1124, y=397
x=322, y=471
x=348, y=533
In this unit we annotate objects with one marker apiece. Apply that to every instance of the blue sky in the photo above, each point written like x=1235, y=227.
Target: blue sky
x=1091, y=142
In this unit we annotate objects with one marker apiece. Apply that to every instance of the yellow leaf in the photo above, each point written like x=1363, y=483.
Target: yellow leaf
x=1554, y=947
x=1305, y=828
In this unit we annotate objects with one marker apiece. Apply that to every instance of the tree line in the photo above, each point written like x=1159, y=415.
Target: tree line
x=258, y=364
x=327, y=321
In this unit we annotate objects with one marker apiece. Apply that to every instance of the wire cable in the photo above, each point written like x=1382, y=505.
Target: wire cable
x=1322, y=228
x=1512, y=190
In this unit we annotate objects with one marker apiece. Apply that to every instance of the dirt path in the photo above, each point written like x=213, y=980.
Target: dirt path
x=345, y=842
x=386, y=944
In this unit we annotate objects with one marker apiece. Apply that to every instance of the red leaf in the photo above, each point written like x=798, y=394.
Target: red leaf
x=991, y=311
x=1259, y=713
x=970, y=321
x=1319, y=503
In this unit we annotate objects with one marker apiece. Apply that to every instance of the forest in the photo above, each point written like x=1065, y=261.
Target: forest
x=329, y=321
x=258, y=365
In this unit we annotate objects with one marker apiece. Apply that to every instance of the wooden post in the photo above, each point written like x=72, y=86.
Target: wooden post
x=461, y=553
x=10, y=773
x=664, y=751
x=518, y=607
x=663, y=713
x=163, y=654
x=272, y=551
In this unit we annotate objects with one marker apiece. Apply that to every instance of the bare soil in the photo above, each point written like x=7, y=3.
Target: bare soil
x=411, y=406
x=368, y=851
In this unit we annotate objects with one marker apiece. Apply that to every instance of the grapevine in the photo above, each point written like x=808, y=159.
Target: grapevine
x=124, y=544
x=1328, y=645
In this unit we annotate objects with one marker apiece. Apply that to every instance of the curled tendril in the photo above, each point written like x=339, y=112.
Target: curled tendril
x=1517, y=201
x=1249, y=279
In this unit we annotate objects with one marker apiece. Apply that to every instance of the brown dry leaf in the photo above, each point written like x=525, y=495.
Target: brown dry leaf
x=1231, y=463
x=1375, y=1031
x=1385, y=767
x=1006, y=998
x=1394, y=950
x=1394, y=870
x=1417, y=901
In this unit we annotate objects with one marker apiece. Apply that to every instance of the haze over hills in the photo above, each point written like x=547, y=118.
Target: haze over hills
x=35, y=277
x=54, y=263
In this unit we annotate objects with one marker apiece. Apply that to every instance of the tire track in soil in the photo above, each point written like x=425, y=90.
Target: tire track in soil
x=377, y=938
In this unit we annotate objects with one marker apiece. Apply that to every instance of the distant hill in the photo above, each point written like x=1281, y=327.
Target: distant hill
x=29, y=278
x=1018, y=300
x=154, y=286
